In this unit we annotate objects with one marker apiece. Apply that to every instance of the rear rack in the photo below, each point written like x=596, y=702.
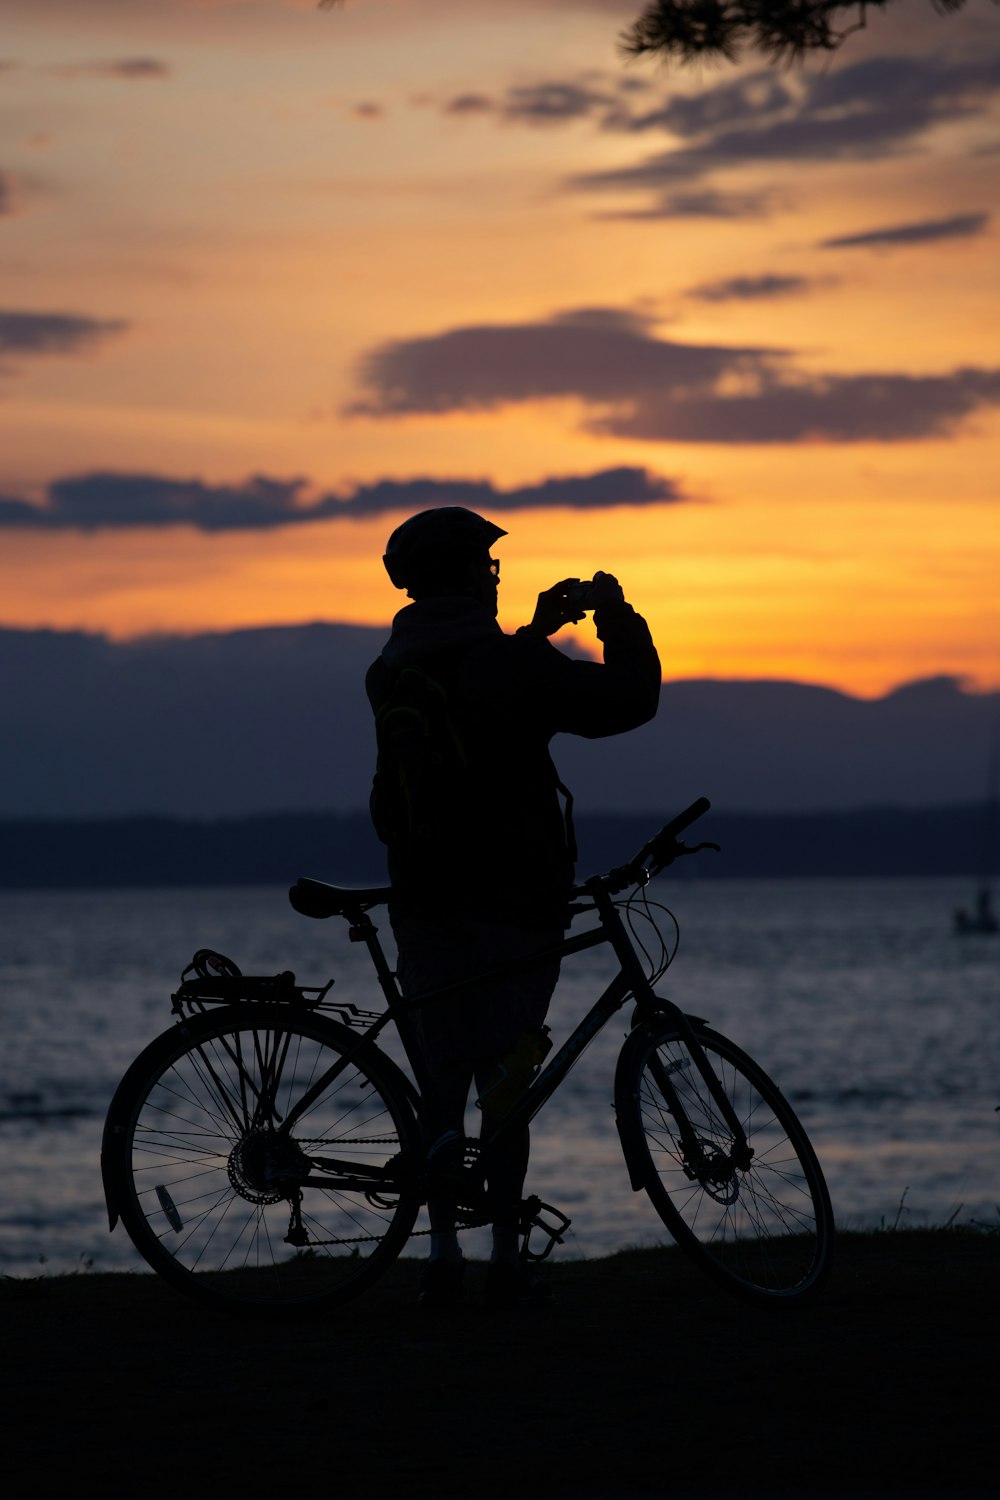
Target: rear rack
x=218, y=981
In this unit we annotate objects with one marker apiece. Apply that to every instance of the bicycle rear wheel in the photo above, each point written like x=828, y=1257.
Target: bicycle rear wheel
x=761, y=1225
x=228, y=1203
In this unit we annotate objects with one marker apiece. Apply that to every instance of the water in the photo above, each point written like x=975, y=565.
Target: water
x=882, y=1028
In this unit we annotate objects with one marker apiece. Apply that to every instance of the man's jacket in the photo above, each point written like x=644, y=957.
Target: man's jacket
x=509, y=852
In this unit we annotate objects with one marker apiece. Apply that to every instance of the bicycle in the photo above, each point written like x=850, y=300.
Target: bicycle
x=264, y=1154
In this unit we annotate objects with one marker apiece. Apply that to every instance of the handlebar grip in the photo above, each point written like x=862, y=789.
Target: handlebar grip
x=684, y=820
x=658, y=850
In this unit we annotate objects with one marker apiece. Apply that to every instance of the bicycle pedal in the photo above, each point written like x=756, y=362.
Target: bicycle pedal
x=532, y=1212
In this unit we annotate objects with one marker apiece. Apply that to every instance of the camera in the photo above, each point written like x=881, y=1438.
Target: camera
x=578, y=594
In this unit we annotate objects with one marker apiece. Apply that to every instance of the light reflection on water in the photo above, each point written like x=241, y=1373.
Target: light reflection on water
x=880, y=1026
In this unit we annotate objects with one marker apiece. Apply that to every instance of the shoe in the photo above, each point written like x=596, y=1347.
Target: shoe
x=509, y=1283
x=442, y=1284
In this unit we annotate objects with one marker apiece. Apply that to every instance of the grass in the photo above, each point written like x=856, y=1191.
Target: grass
x=642, y=1380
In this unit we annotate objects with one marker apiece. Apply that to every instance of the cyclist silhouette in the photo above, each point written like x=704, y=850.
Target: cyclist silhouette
x=479, y=829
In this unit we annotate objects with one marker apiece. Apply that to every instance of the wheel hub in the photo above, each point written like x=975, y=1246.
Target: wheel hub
x=265, y=1167
x=717, y=1172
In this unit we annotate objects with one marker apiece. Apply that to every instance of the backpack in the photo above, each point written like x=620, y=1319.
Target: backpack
x=422, y=778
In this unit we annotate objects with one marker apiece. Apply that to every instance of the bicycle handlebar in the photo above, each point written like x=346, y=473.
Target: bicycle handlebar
x=661, y=850
x=660, y=847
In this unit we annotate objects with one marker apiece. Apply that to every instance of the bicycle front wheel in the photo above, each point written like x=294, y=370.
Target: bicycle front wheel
x=757, y=1217
x=256, y=1167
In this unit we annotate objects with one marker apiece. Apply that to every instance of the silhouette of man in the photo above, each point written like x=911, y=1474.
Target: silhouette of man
x=489, y=879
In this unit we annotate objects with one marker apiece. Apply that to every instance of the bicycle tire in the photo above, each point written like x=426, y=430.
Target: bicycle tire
x=205, y=1181
x=763, y=1231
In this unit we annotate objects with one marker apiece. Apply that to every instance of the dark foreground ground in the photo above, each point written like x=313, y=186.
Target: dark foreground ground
x=642, y=1380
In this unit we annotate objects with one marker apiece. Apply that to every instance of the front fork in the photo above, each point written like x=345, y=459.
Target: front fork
x=646, y=1034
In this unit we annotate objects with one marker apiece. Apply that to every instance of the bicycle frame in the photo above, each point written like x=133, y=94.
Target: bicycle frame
x=629, y=982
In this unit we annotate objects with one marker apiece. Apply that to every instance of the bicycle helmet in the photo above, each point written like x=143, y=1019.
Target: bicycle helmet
x=433, y=540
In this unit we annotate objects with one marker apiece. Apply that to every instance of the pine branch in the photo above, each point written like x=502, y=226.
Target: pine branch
x=782, y=30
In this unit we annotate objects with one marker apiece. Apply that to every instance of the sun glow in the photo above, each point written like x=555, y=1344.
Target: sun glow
x=278, y=200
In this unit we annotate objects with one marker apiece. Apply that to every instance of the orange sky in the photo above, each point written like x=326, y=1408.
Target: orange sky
x=223, y=225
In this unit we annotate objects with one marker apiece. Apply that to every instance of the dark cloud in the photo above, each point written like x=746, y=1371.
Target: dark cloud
x=601, y=355
x=546, y=102
x=847, y=137
x=607, y=489
x=698, y=114
x=470, y=104
x=866, y=111
x=657, y=390
x=960, y=226
x=100, y=501
x=831, y=409
x=753, y=288
x=132, y=69
x=869, y=110
x=53, y=333
x=704, y=203
x=6, y=193
x=551, y=103
x=918, y=87
x=368, y=110
x=87, y=502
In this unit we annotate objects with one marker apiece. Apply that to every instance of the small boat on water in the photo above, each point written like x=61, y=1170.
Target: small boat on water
x=983, y=916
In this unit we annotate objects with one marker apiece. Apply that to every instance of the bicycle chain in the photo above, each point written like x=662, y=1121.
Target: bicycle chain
x=415, y=1234
x=365, y=1239
x=355, y=1140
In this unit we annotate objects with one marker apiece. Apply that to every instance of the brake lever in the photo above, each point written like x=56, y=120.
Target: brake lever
x=676, y=852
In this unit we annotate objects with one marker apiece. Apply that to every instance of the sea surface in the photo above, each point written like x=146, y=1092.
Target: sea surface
x=881, y=1026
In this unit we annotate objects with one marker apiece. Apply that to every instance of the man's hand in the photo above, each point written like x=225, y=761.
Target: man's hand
x=554, y=609
x=606, y=590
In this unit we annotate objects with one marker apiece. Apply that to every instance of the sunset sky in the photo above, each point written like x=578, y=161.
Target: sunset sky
x=275, y=277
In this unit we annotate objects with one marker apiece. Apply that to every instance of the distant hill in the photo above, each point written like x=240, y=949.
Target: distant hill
x=275, y=850
x=235, y=725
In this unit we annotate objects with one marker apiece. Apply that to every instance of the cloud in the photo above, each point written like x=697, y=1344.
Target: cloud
x=872, y=109
x=601, y=355
x=709, y=110
x=470, y=104
x=102, y=501
x=53, y=333
x=90, y=502
x=960, y=226
x=552, y=103
x=607, y=489
x=6, y=193
x=643, y=387
x=867, y=110
x=832, y=409
x=132, y=69
x=705, y=203
x=548, y=102
x=755, y=288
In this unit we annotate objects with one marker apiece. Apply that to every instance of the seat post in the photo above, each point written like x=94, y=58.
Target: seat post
x=363, y=930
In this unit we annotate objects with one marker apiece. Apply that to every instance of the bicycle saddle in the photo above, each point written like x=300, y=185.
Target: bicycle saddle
x=314, y=898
